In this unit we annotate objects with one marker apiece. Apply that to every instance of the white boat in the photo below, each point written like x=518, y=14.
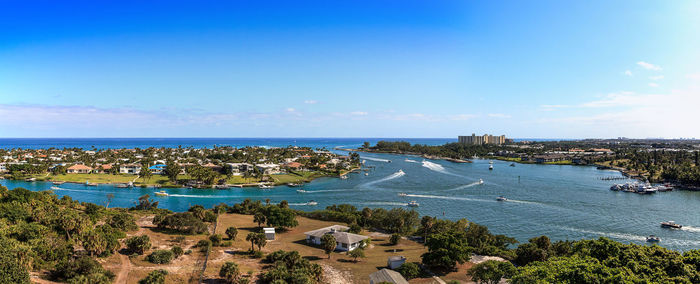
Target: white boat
x=366, y=174
x=301, y=191
x=481, y=181
x=344, y=177
x=490, y=167
x=55, y=188
x=402, y=194
x=122, y=185
x=413, y=204
x=312, y=203
x=653, y=239
x=265, y=186
x=491, y=162
x=501, y=198
x=161, y=193
x=58, y=182
x=401, y=172
x=671, y=225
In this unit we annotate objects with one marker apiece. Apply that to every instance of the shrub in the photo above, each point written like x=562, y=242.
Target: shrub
x=160, y=256
x=177, y=251
x=394, y=239
x=185, y=222
x=231, y=232
x=491, y=271
x=226, y=244
x=256, y=254
x=155, y=277
x=123, y=221
x=215, y=240
x=355, y=228
x=204, y=245
x=230, y=272
x=138, y=244
x=409, y=270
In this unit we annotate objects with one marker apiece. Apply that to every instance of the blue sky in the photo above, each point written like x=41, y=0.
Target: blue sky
x=547, y=69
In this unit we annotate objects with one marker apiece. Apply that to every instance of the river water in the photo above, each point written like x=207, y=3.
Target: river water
x=562, y=202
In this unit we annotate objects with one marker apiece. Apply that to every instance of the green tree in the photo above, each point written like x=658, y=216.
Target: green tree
x=446, y=249
x=138, y=244
x=230, y=272
x=177, y=251
x=94, y=242
x=358, y=252
x=259, y=218
x=256, y=239
x=172, y=169
x=145, y=173
x=160, y=256
x=394, y=239
x=280, y=217
x=491, y=271
x=328, y=244
x=231, y=232
x=409, y=270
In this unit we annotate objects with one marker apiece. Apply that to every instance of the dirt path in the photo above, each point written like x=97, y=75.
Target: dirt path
x=335, y=276
x=124, y=271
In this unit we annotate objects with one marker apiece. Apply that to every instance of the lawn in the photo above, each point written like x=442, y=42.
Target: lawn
x=294, y=239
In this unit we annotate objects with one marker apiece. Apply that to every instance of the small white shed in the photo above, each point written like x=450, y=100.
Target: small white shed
x=395, y=261
x=269, y=233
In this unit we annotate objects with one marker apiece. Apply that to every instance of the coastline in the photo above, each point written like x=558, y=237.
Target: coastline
x=426, y=156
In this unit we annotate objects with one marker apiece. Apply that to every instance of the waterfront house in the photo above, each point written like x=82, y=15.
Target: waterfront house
x=268, y=169
x=213, y=167
x=294, y=166
x=548, y=158
x=79, y=169
x=386, y=276
x=157, y=169
x=132, y=169
x=3, y=167
x=103, y=168
x=344, y=241
x=237, y=168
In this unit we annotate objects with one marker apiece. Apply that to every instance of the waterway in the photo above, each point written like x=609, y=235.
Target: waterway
x=562, y=202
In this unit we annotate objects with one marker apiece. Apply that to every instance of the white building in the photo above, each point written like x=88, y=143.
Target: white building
x=344, y=241
x=132, y=169
x=268, y=169
x=269, y=233
x=237, y=168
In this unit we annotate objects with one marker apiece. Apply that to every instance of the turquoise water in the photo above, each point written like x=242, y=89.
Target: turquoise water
x=562, y=202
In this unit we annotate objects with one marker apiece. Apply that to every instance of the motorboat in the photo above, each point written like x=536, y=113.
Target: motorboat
x=481, y=181
x=664, y=188
x=402, y=194
x=671, y=225
x=55, y=188
x=490, y=167
x=301, y=191
x=264, y=186
x=91, y=184
x=161, y=193
x=366, y=174
x=512, y=164
x=491, y=162
x=413, y=204
x=122, y=185
x=501, y=198
x=344, y=177
x=58, y=182
x=401, y=172
x=312, y=203
x=291, y=184
x=653, y=239
x=30, y=179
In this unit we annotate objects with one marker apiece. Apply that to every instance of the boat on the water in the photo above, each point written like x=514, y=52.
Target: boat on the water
x=292, y=184
x=301, y=191
x=344, y=177
x=671, y=225
x=653, y=239
x=366, y=174
x=402, y=194
x=30, y=179
x=413, y=204
x=58, y=182
x=55, y=188
x=490, y=167
x=161, y=193
x=481, y=181
x=91, y=184
x=264, y=186
x=312, y=203
x=501, y=198
x=400, y=171
x=512, y=164
x=122, y=185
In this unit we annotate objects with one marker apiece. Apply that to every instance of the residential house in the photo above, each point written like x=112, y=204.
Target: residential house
x=386, y=276
x=294, y=166
x=268, y=169
x=157, y=169
x=395, y=261
x=238, y=168
x=103, y=168
x=344, y=241
x=550, y=158
x=79, y=169
x=132, y=169
x=3, y=167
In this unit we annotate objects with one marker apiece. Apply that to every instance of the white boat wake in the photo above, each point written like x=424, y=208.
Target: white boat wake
x=438, y=168
x=464, y=186
x=411, y=161
x=691, y=229
x=325, y=190
x=447, y=197
x=199, y=196
x=379, y=203
x=632, y=237
x=398, y=174
x=376, y=159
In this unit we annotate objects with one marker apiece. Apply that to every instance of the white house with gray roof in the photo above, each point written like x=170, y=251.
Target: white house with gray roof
x=345, y=241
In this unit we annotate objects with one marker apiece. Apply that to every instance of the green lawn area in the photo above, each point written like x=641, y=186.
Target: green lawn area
x=566, y=162
x=295, y=177
x=97, y=178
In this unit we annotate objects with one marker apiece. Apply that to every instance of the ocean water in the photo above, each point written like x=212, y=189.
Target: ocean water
x=562, y=202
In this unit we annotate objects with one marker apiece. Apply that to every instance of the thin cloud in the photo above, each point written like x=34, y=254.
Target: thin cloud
x=499, y=115
x=359, y=113
x=649, y=66
x=310, y=102
x=656, y=78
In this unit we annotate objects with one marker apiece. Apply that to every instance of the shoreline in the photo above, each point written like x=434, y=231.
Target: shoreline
x=426, y=156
